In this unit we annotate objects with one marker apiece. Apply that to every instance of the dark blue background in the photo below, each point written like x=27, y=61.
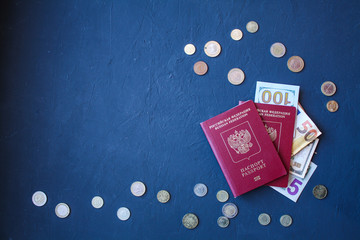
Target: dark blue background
x=97, y=94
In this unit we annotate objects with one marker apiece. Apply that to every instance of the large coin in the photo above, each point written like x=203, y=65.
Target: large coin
x=138, y=188
x=230, y=210
x=200, y=190
x=264, y=219
x=222, y=196
x=252, y=27
x=190, y=221
x=163, y=196
x=223, y=222
x=332, y=106
x=295, y=64
x=200, y=68
x=39, y=198
x=320, y=191
x=123, y=213
x=189, y=49
x=236, y=76
x=285, y=220
x=328, y=88
x=277, y=50
x=97, y=202
x=62, y=210
x=236, y=34
x=212, y=49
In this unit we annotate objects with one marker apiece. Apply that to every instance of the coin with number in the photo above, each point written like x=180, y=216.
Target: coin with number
x=328, y=88
x=200, y=68
x=320, y=191
x=212, y=49
x=97, y=202
x=252, y=27
x=286, y=220
x=200, y=189
x=277, y=50
x=264, y=219
x=222, y=196
x=332, y=106
x=190, y=221
x=236, y=34
x=189, y=49
x=295, y=64
x=39, y=198
x=236, y=76
x=163, y=196
x=230, y=210
x=223, y=222
x=138, y=188
x=123, y=213
x=62, y=210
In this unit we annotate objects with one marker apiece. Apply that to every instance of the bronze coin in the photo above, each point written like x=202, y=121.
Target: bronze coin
x=200, y=68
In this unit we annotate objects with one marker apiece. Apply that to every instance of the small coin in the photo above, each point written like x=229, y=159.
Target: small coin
x=230, y=210
x=264, y=219
x=222, y=196
x=97, y=202
x=252, y=27
x=328, y=88
x=190, y=221
x=138, y=188
x=39, y=198
x=163, y=196
x=295, y=64
x=277, y=50
x=212, y=49
x=200, y=189
x=200, y=68
x=62, y=210
x=236, y=76
x=123, y=213
x=223, y=222
x=286, y=220
x=332, y=106
x=236, y=34
x=189, y=49
x=320, y=191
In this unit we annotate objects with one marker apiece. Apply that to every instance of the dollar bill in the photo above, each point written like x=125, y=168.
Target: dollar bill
x=296, y=184
x=299, y=163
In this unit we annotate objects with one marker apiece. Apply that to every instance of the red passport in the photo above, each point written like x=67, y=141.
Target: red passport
x=243, y=148
x=279, y=122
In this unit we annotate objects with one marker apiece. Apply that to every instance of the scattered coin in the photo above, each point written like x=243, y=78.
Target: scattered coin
x=328, y=88
x=200, y=68
x=295, y=64
x=230, y=210
x=189, y=49
x=332, y=106
x=222, y=196
x=190, y=221
x=236, y=34
x=97, y=202
x=39, y=198
x=286, y=220
x=277, y=50
x=212, y=49
x=200, y=190
x=223, y=222
x=123, y=213
x=138, y=188
x=163, y=196
x=62, y=210
x=320, y=191
x=236, y=76
x=264, y=219
x=252, y=27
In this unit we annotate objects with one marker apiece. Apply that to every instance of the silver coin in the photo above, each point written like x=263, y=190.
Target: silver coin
x=189, y=49
x=252, y=27
x=222, y=196
x=264, y=219
x=236, y=34
x=97, y=202
x=320, y=191
x=39, y=198
x=200, y=189
x=229, y=210
x=62, y=210
x=286, y=220
x=223, y=222
x=163, y=196
x=278, y=50
x=236, y=76
x=190, y=221
x=212, y=49
x=123, y=213
x=138, y=188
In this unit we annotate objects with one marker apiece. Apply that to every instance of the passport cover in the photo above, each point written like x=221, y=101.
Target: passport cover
x=279, y=122
x=243, y=148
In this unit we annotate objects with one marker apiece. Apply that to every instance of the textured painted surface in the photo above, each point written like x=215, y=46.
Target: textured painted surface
x=97, y=94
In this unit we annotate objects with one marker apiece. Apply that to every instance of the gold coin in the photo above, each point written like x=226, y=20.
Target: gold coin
x=189, y=49
x=212, y=49
x=236, y=34
x=332, y=106
x=328, y=88
x=295, y=64
x=200, y=68
x=222, y=196
x=252, y=27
